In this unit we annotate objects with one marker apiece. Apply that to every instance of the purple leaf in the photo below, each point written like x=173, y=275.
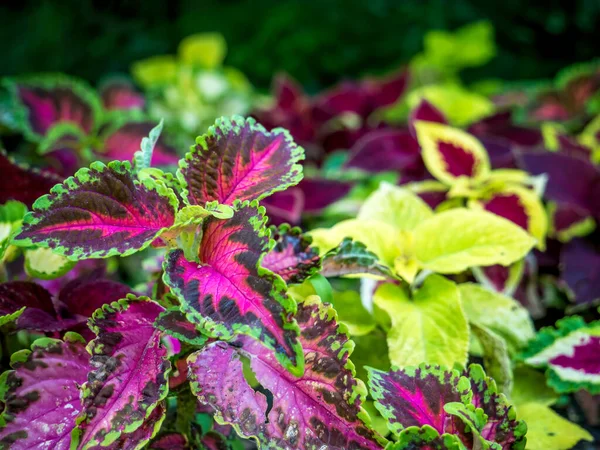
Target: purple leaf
x=23, y=184
x=121, y=143
x=227, y=292
x=120, y=94
x=424, y=111
x=239, y=160
x=292, y=257
x=100, y=212
x=42, y=396
x=508, y=205
x=44, y=101
x=580, y=270
x=500, y=125
x=39, y=313
x=285, y=206
x=136, y=439
x=321, y=409
x=129, y=372
x=170, y=441
x=320, y=193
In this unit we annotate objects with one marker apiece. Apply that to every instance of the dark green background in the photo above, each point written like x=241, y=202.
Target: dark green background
x=318, y=41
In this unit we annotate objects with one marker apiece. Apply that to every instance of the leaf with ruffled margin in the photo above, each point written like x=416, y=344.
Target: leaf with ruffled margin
x=136, y=440
x=174, y=323
x=450, y=153
x=431, y=397
x=41, y=102
x=569, y=352
x=129, y=372
x=42, y=394
x=238, y=159
x=292, y=257
x=22, y=183
x=227, y=292
x=321, y=409
x=425, y=438
x=100, y=212
x=353, y=258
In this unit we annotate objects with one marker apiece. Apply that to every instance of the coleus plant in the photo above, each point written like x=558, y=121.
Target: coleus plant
x=275, y=367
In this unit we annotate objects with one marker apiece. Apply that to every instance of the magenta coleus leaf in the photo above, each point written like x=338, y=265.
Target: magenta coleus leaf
x=120, y=94
x=22, y=183
x=292, y=257
x=239, y=160
x=136, y=439
x=320, y=193
x=100, y=212
x=39, y=313
x=129, y=372
x=423, y=396
x=285, y=206
x=321, y=409
x=41, y=400
x=170, y=441
x=41, y=102
x=509, y=206
x=227, y=292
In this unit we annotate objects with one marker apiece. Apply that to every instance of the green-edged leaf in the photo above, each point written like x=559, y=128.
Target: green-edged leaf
x=129, y=373
x=547, y=430
x=395, y=206
x=450, y=153
x=43, y=263
x=225, y=290
x=239, y=159
x=495, y=357
x=174, y=323
x=426, y=437
x=143, y=157
x=454, y=240
x=319, y=410
x=498, y=313
x=100, y=212
x=353, y=258
x=430, y=327
x=570, y=354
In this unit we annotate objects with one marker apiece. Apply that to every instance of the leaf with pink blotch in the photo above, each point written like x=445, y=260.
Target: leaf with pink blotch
x=41, y=102
x=22, y=183
x=238, y=159
x=425, y=397
x=41, y=394
x=120, y=94
x=100, y=212
x=292, y=257
x=227, y=292
x=321, y=409
x=129, y=372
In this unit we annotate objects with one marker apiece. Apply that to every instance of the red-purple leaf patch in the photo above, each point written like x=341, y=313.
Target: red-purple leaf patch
x=292, y=257
x=285, y=206
x=509, y=206
x=227, y=291
x=129, y=372
x=41, y=400
x=426, y=112
x=170, y=441
x=119, y=94
x=100, y=212
x=239, y=160
x=39, y=313
x=136, y=439
x=22, y=183
x=174, y=323
x=580, y=270
x=320, y=193
x=321, y=409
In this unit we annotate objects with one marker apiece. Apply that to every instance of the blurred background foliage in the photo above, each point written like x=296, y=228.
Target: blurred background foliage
x=318, y=42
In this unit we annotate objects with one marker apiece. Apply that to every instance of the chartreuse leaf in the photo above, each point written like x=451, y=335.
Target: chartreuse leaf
x=429, y=404
x=204, y=50
x=450, y=153
x=395, y=206
x=293, y=257
x=100, y=212
x=530, y=387
x=129, y=373
x=155, y=71
x=11, y=215
x=429, y=327
x=498, y=313
x=143, y=157
x=352, y=313
x=548, y=430
x=43, y=263
x=495, y=357
x=226, y=291
x=569, y=353
x=321, y=409
x=238, y=159
x=41, y=394
x=457, y=239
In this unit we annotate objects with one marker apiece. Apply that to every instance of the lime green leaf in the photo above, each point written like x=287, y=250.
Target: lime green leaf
x=530, y=386
x=450, y=153
x=431, y=327
x=547, y=430
x=495, y=357
x=498, y=313
x=205, y=50
x=395, y=206
x=454, y=240
x=352, y=313
x=43, y=263
x=155, y=71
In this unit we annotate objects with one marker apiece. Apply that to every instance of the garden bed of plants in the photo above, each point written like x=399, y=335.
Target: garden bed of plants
x=403, y=261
